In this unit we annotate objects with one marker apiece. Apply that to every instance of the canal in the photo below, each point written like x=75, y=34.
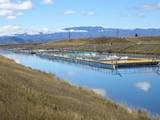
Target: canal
x=134, y=87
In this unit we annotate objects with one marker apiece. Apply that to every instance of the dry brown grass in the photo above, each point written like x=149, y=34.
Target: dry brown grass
x=27, y=94
x=139, y=45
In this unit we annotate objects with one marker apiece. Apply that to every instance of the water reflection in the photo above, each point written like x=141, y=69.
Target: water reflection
x=144, y=86
x=13, y=58
x=71, y=73
x=118, y=72
x=137, y=87
x=99, y=91
x=157, y=70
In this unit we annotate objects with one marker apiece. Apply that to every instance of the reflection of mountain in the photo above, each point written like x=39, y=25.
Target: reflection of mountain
x=77, y=32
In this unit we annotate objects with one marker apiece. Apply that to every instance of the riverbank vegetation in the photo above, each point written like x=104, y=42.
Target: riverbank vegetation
x=27, y=94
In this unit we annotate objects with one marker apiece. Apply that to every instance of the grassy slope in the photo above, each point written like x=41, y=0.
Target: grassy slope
x=144, y=45
x=27, y=94
x=141, y=45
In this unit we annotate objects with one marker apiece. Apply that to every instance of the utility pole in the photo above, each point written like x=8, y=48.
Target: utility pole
x=69, y=35
x=117, y=33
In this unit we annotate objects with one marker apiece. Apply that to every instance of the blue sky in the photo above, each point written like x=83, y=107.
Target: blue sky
x=56, y=14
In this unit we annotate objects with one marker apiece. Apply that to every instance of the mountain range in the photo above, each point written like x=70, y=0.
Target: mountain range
x=76, y=32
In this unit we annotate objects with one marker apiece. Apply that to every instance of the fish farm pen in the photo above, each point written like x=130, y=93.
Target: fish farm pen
x=103, y=60
x=108, y=64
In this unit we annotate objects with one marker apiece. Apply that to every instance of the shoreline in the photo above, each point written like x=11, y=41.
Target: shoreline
x=130, y=111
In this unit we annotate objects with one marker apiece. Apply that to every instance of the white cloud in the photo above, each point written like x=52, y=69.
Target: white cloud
x=11, y=17
x=4, y=1
x=72, y=30
x=90, y=13
x=10, y=9
x=19, y=13
x=140, y=15
x=9, y=29
x=145, y=86
x=69, y=12
x=5, y=12
x=14, y=29
x=150, y=6
x=48, y=2
x=84, y=13
x=26, y=5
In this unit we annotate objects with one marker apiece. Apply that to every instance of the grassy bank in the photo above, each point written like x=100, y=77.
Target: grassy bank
x=138, y=45
x=27, y=94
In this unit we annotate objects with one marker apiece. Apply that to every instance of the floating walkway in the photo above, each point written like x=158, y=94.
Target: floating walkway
x=88, y=62
x=107, y=64
x=132, y=62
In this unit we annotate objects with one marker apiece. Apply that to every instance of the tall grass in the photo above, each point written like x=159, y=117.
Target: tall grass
x=27, y=94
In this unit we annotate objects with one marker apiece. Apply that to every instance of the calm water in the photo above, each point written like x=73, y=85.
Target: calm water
x=135, y=87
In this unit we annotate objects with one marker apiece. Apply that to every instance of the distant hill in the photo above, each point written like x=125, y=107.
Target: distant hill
x=100, y=31
x=11, y=40
x=77, y=32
